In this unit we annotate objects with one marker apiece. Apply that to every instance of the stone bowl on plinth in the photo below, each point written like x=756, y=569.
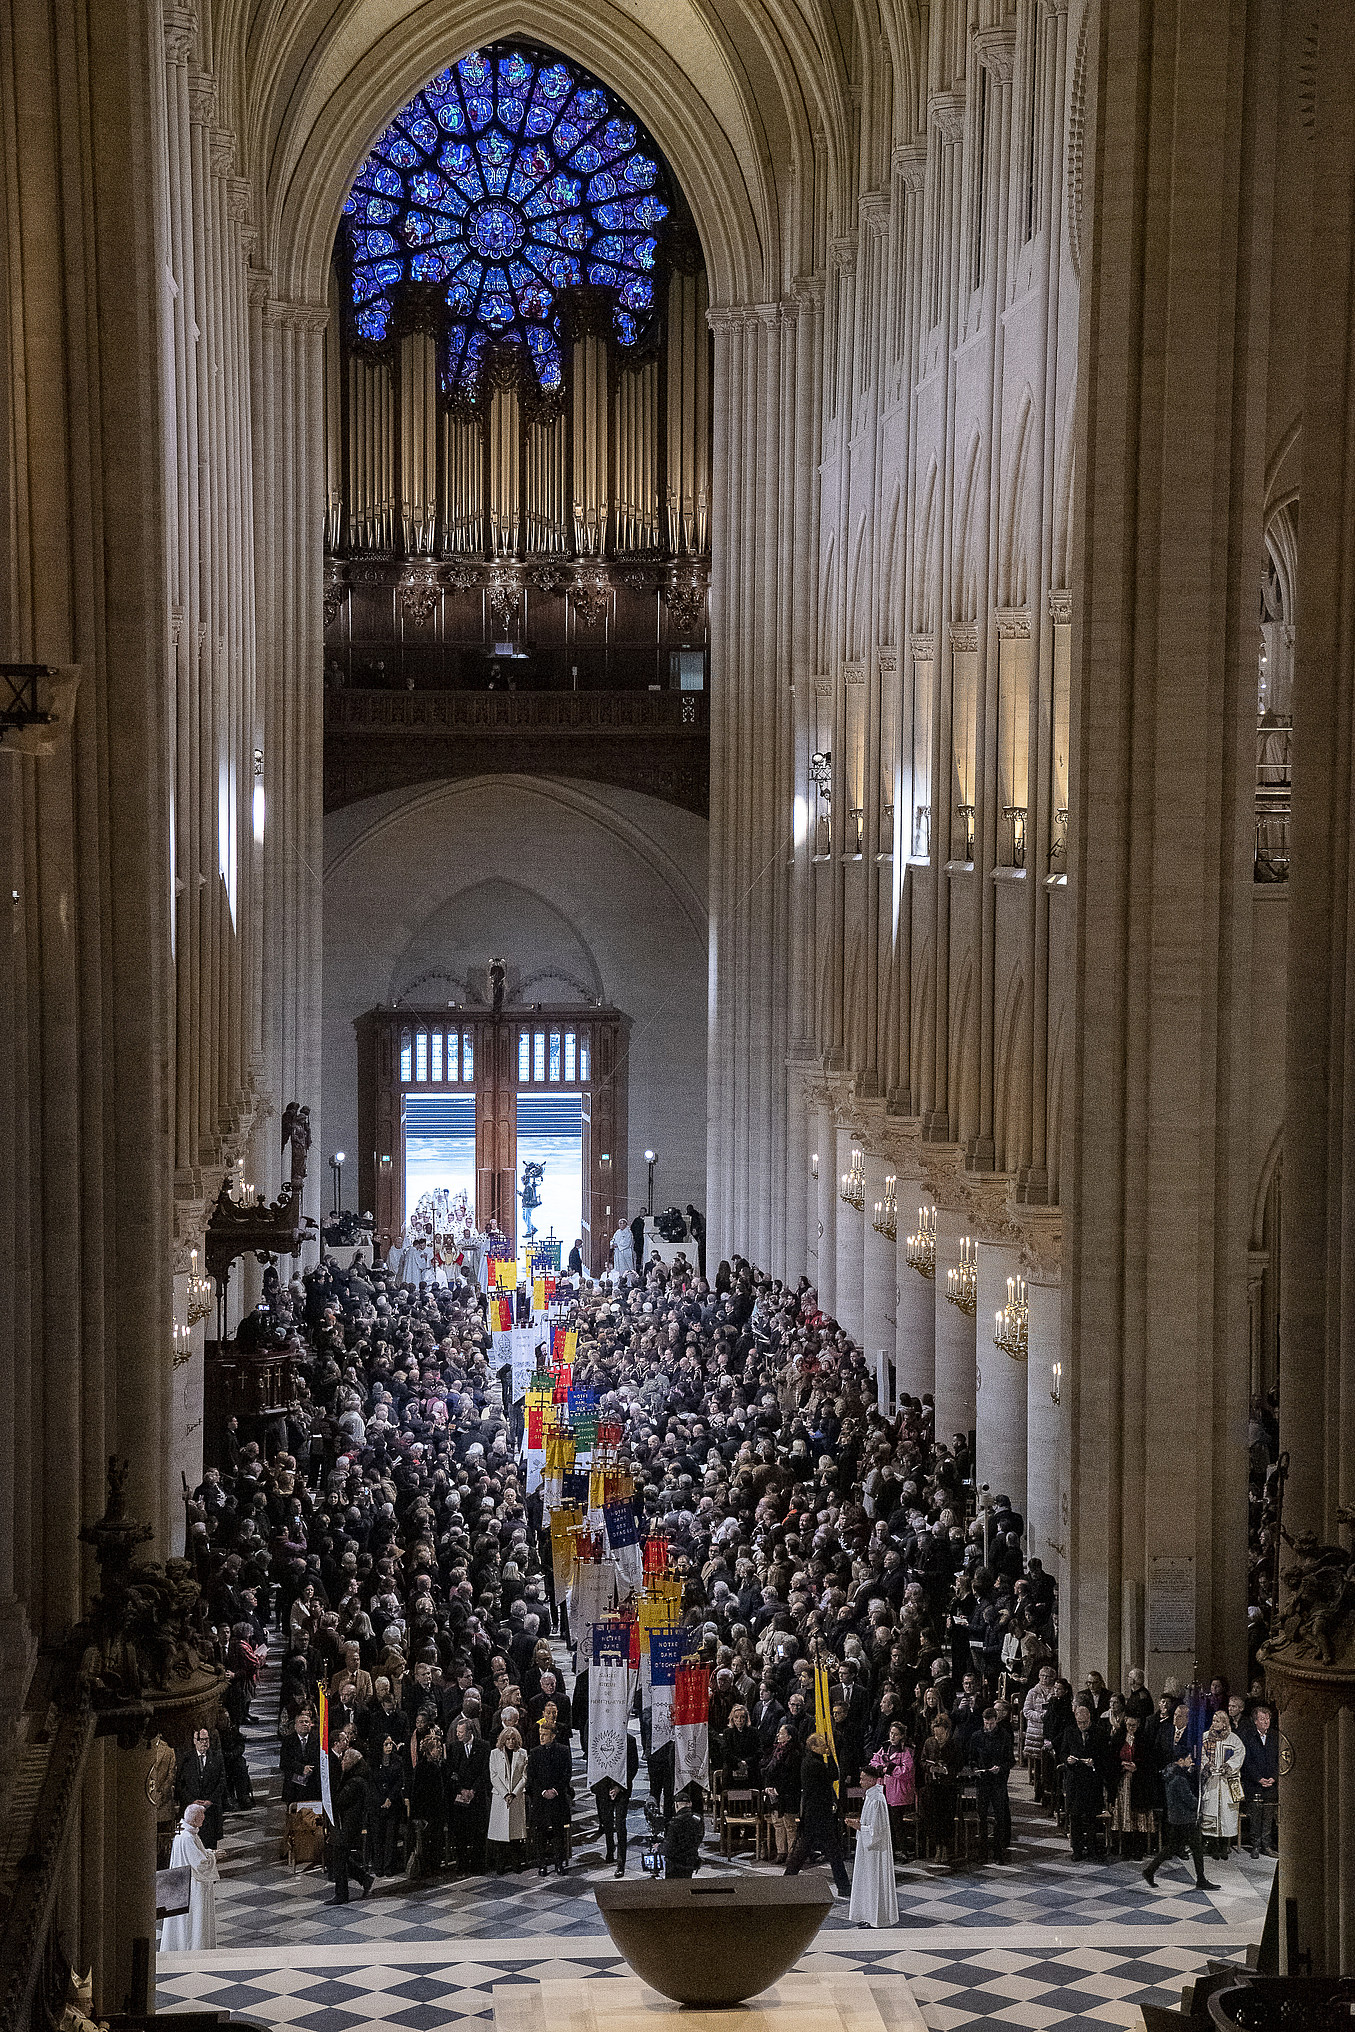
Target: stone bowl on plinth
x=715, y=1941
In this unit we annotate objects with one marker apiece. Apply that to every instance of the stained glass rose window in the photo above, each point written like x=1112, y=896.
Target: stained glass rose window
x=511, y=176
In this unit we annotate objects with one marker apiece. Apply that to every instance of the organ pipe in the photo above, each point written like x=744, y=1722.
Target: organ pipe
x=418, y=443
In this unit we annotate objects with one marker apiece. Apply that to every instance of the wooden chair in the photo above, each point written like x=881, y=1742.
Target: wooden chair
x=743, y=1816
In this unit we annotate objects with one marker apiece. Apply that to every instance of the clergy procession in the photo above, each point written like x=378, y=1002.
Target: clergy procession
x=657, y=1566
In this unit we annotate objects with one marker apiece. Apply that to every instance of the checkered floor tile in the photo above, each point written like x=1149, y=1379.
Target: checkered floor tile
x=1075, y=1989
x=1039, y=1942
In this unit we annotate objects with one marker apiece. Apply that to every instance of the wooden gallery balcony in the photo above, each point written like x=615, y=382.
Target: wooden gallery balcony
x=654, y=741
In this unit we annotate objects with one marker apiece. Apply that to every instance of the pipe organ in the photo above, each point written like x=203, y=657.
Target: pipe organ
x=618, y=465
x=517, y=391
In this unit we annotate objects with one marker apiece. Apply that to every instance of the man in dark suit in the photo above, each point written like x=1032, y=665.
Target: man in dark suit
x=1260, y=1779
x=202, y=1775
x=350, y=1817
x=819, y=1826
x=300, y=1760
x=1081, y=1753
x=468, y=1796
x=637, y=1229
x=991, y=1754
x=614, y=1805
x=1181, y=1784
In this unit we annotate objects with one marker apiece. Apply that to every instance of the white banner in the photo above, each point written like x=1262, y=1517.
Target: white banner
x=691, y=1754
x=661, y=1717
x=535, y=1457
x=592, y=1595
x=524, y=1340
x=611, y=1688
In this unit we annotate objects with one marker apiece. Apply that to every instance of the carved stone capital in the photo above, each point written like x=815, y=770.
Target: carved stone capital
x=924, y=648
x=842, y=253
x=995, y=49
x=295, y=317
x=874, y=209
x=1013, y=624
x=1061, y=609
x=807, y=291
x=888, y=660
x=964, y=637
x=181, y=28
x=201, y=98
x=854, y=671
x=258, y=283
x=945, y=111
x=221, y=152
x=909, y=164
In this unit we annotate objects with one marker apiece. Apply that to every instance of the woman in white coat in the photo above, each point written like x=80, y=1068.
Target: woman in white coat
x=508, y=1802
x=1221, y=1758
x=875, y=1900
x=195, y=1928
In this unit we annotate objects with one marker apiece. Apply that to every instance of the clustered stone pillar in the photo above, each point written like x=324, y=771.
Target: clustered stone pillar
x=1317, y=1326
x=1044, y=1382
x=915, y=1318
x=956, y=1395
x=1000, y=1459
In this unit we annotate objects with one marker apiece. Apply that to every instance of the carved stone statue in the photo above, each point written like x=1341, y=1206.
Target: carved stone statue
x=1313, y=1649
x=145, y=1633
x=498, y=977
x=532, y=1175
x=296, y=1130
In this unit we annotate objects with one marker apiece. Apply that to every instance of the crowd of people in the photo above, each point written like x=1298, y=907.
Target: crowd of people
x=382, y=1530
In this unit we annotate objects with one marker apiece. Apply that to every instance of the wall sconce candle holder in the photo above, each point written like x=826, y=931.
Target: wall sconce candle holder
x=1011, y=1329
x=886, y=1221
x=200, y=1293
x=922, y=1243
x=1056, y=1388
x=854, y=1183
x=962, y=1279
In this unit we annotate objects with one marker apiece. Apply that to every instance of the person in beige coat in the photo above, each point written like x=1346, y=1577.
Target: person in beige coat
x=508, y=1803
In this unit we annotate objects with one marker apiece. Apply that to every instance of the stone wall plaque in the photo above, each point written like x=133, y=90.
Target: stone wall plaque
x=1171, y=1604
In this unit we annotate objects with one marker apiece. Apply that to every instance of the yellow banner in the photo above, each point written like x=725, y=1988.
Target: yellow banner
x=563, y=1524
x=538, y=1294
x=559, y=1452
x=571, y=1344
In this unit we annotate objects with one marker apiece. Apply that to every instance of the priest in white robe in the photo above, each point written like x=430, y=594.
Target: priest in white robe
x=185, y=1932
x=875, y=1901
x=623, y=1251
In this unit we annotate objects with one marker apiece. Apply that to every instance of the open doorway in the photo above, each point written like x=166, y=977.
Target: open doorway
x=550, y=1135
x=439, y=1148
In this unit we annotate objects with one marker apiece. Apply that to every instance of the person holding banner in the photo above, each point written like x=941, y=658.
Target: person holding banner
x=613, y=1807
x=819, y=1830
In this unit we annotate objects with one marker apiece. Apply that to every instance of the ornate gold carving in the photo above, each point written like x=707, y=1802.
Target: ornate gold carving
x=420, y=593
x=685, y=598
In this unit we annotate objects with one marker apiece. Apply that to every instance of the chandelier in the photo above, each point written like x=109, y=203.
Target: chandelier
x=886, y=1220
x=199, y=1294
x=1012, y=1321
x=962, y=1279
x=922, y=1244
x=854, y=1183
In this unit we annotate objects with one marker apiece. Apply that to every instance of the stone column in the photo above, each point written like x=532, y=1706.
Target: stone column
x=1171, y=451
x=878, y=1315
x=827, y=1208
x=1000, y=1383
x=1044, y=1529
x=1317, y=1325
x=849, y=1282
x=955, y=1384
x=915, y=1316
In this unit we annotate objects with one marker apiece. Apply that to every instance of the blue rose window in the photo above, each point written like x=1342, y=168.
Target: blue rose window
x=510, y=177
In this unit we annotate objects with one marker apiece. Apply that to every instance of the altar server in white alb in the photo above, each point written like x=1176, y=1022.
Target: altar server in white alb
x=875, y=1901
x=196, y=1927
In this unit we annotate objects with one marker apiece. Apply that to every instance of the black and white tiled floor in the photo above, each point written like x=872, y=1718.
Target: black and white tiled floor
x=1041, y=1942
